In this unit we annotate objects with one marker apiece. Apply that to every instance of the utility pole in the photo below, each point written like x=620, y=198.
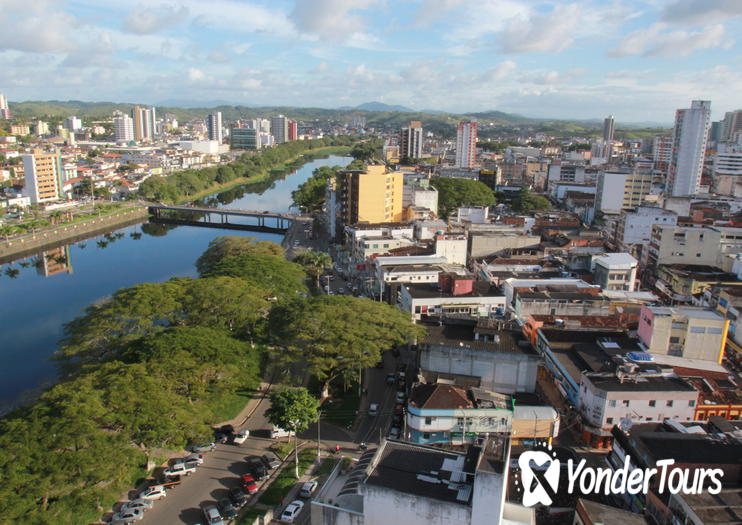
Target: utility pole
x=294, y=424
x=319, y=454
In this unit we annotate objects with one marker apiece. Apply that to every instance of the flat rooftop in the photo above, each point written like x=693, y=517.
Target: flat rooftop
x=462, y=336
x=426, y=291
x=688, y=311
x=423, y=471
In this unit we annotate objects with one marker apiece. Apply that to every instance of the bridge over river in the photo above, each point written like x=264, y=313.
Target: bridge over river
x=250, y=220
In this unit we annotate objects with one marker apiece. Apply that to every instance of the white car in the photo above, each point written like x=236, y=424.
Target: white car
x=373, y=409
x=241, y=436
x=128, y=515
x=153, y=493
x=291, y=511
x=198, y=459
x=141, y=504
x=308, y=488
x=400, y=397
x=181, y=468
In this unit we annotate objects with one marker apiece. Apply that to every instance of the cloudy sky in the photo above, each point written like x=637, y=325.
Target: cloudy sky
x=637, y=59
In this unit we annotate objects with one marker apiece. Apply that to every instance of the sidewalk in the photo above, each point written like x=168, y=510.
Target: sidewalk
x=250, y=407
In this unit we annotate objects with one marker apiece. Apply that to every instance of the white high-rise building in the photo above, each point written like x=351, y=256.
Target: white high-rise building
x=688, y=148
x=123, y=128
x=280, y=129
x=466, y=144
x=73, y=123
x=609, y=128
x=4, y=111
x=214, y=125
x=411, y=140
x=731, y=126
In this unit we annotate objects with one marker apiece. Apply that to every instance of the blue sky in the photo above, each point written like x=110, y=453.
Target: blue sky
x=639, y=60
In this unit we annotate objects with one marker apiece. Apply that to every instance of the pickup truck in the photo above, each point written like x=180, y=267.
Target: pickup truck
x=181, y=468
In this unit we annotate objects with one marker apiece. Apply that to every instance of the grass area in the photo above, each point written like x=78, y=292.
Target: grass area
x=282, y=448
x=342, y=411
x=276, y=171
x=228, y=405
x=325, y=467
x=286, y=480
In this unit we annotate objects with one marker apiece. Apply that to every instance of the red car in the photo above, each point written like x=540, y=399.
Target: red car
x=248, y=482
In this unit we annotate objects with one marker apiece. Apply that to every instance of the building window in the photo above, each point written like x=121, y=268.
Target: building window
x=460, y=421
x=625, y=402
x=652, y=402
x=609, y=420
x=669, y=402
x=426, y=435
x=612, y=403
x=674, y=340
x=691, y=403
x=698, y=329
x=428, y=420
x=716, y=331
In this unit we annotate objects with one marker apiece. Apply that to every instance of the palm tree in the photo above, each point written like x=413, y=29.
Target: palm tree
x=314, y=263
x=6, y=230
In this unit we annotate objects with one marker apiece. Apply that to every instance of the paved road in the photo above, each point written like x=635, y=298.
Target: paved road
x=211, y=481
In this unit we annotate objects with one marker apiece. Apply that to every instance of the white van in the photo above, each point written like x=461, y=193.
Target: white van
x=277, y=432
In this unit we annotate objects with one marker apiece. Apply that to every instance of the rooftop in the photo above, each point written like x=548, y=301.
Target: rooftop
x=687, y=311
x=462, y=336
x=480, y=289
x=605, y=514
x=612, y=383
x=615, y=260
x=423, y=471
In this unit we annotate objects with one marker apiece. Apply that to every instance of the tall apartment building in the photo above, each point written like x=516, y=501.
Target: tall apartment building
x=4, y=110
x=73, y=123
x=144, y=123
x=214, y=127
x=622, y=189
x=689, y=148
x=609, y=129
x=661, y=154
x=293, y=133
x=43, y=176
x=280, y=129
x=466, y=144
x=41, y=128
x=373, y=196
x=411, y=140
x=730, y=126
x=123, y=128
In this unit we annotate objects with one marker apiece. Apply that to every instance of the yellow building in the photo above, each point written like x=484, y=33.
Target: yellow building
x=372, y=195
x=637, y=187
x=42, y=175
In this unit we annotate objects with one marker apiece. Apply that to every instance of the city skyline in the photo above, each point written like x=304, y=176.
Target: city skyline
x=636, y=60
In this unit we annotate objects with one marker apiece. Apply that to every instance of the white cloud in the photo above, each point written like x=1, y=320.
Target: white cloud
x=433, y=10
x=144, y=20
x=330, y=19
x=655, y=41
x=551, y=33
x=701, y=12
x=195, y=74
x=37, y=26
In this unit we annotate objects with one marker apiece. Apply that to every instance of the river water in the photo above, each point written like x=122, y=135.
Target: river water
x=54, y=287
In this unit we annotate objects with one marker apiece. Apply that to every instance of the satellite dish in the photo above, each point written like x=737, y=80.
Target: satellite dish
x=626, y=424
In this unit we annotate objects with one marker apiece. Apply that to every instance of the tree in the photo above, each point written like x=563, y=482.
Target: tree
x=310, y=195
x=281, y=278
x=292, y=409
x=314, y=263
x=453, y=193
x=527, y=202
x=231, y=245
x=335, y=336
x=364, y=151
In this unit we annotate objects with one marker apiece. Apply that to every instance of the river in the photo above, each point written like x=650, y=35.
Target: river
x=55, y=287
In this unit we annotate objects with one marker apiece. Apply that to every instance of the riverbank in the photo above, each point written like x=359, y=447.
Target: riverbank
x=282, y=168
x=64, y=234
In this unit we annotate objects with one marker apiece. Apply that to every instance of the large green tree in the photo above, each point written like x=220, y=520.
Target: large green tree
x=453, y=193
x=230, y=245
x=314, y=263
x=335, y=336
x=527, y=202
x=292, y=409
x=283, y=279
x=310, y=195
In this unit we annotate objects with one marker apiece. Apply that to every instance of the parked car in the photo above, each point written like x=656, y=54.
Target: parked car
x=153, y=493
x=181, y=468
x=248, y=483
x=291, y=511
x=394, y=433
x=256, y=467
x=241, y=436
x=400, y=396
x=307, y=489
x=277, y=432
x=237, y=496
x=128, y=516
x=270, y=460
x=391, y=379
x=141, y=504
x=212, y=516
x=194, y=458
x=373, y=409
x=227, y=509
x=204, y=447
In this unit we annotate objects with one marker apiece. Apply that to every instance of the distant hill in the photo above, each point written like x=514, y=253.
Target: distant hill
x=380, y=106
x=493, y=124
